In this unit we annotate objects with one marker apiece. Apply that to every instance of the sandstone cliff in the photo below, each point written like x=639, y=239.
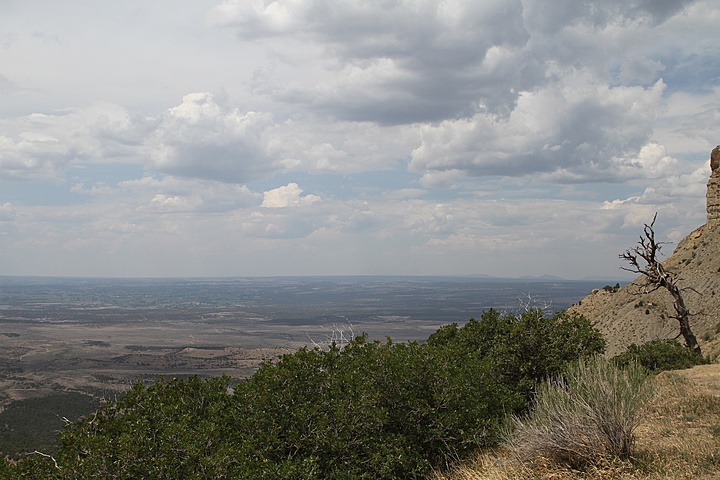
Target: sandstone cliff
x=626, y=316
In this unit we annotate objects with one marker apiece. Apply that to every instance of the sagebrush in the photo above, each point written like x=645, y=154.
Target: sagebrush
x=585, y=416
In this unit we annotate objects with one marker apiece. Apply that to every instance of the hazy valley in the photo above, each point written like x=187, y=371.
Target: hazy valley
x=104, y=334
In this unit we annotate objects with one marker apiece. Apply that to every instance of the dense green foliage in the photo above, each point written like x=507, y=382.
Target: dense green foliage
x=523, y=350
x=364, y=410
x=34, y=423
x=659, y=355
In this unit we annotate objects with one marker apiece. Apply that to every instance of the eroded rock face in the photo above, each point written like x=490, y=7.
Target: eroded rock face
x=713, y=190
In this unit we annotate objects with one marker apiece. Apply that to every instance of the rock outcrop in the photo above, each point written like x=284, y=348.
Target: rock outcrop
x=629, y=315
x=713, y=190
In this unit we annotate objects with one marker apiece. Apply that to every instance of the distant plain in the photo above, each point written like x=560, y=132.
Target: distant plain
x=100, y=336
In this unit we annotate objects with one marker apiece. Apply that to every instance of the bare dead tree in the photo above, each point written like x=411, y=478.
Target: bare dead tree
x=643, y=260
x=340, y=335
x=532, y=303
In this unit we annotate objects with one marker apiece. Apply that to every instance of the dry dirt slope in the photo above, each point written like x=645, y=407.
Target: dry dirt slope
x=678, y=439
x=627, y=317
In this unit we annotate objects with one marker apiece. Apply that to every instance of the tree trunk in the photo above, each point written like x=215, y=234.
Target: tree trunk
x=683, y=317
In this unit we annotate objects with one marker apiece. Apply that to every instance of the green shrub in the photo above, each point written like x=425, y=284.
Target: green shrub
x=171, y=429
x=610, y=289
x=659, y=355
x=523, y=350
x=585, y=416
x=370, y=410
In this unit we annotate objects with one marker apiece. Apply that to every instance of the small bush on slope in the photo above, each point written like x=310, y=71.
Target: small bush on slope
x=586, y=416
x=659, y=355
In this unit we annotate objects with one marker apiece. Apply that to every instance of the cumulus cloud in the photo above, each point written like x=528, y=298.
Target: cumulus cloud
x=181, y=194
x=199, y=138
x=495, y=89
x=423, y=61
x=575, y=129
x=287, y=196
x=43, y=146
x=396, y=62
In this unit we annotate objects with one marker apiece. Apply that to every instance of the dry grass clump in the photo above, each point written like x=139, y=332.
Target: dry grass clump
x=502, y=465
x=588, y=415
x=678, y=439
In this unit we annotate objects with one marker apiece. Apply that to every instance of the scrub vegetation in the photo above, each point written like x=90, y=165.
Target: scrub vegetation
x=357, y=410
x=504, y=397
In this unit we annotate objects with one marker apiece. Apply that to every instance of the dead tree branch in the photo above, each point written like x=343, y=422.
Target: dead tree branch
x=643, y=260
x=46, y=456
x=533, y=303
x=340, y=335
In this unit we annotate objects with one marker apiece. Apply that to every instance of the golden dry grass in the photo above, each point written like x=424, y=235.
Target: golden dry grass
x=679, y=439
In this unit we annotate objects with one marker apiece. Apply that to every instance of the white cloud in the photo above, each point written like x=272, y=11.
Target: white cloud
x=201, y=196
x=44, y=146
x=201, y=139
x=7, y=211
x=287, y=196
x=575, y=129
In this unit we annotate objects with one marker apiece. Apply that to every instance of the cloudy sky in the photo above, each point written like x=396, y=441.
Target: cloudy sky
x=304, y=137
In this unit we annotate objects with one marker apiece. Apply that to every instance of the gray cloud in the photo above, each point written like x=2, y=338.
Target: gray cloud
x=202, y=139
x=549, y=18
x=408, y=62
x=399, y=62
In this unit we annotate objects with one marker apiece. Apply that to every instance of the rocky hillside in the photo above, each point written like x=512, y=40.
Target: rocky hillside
x=627, y=315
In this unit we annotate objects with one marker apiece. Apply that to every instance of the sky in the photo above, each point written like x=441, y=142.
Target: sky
x=351, y=137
